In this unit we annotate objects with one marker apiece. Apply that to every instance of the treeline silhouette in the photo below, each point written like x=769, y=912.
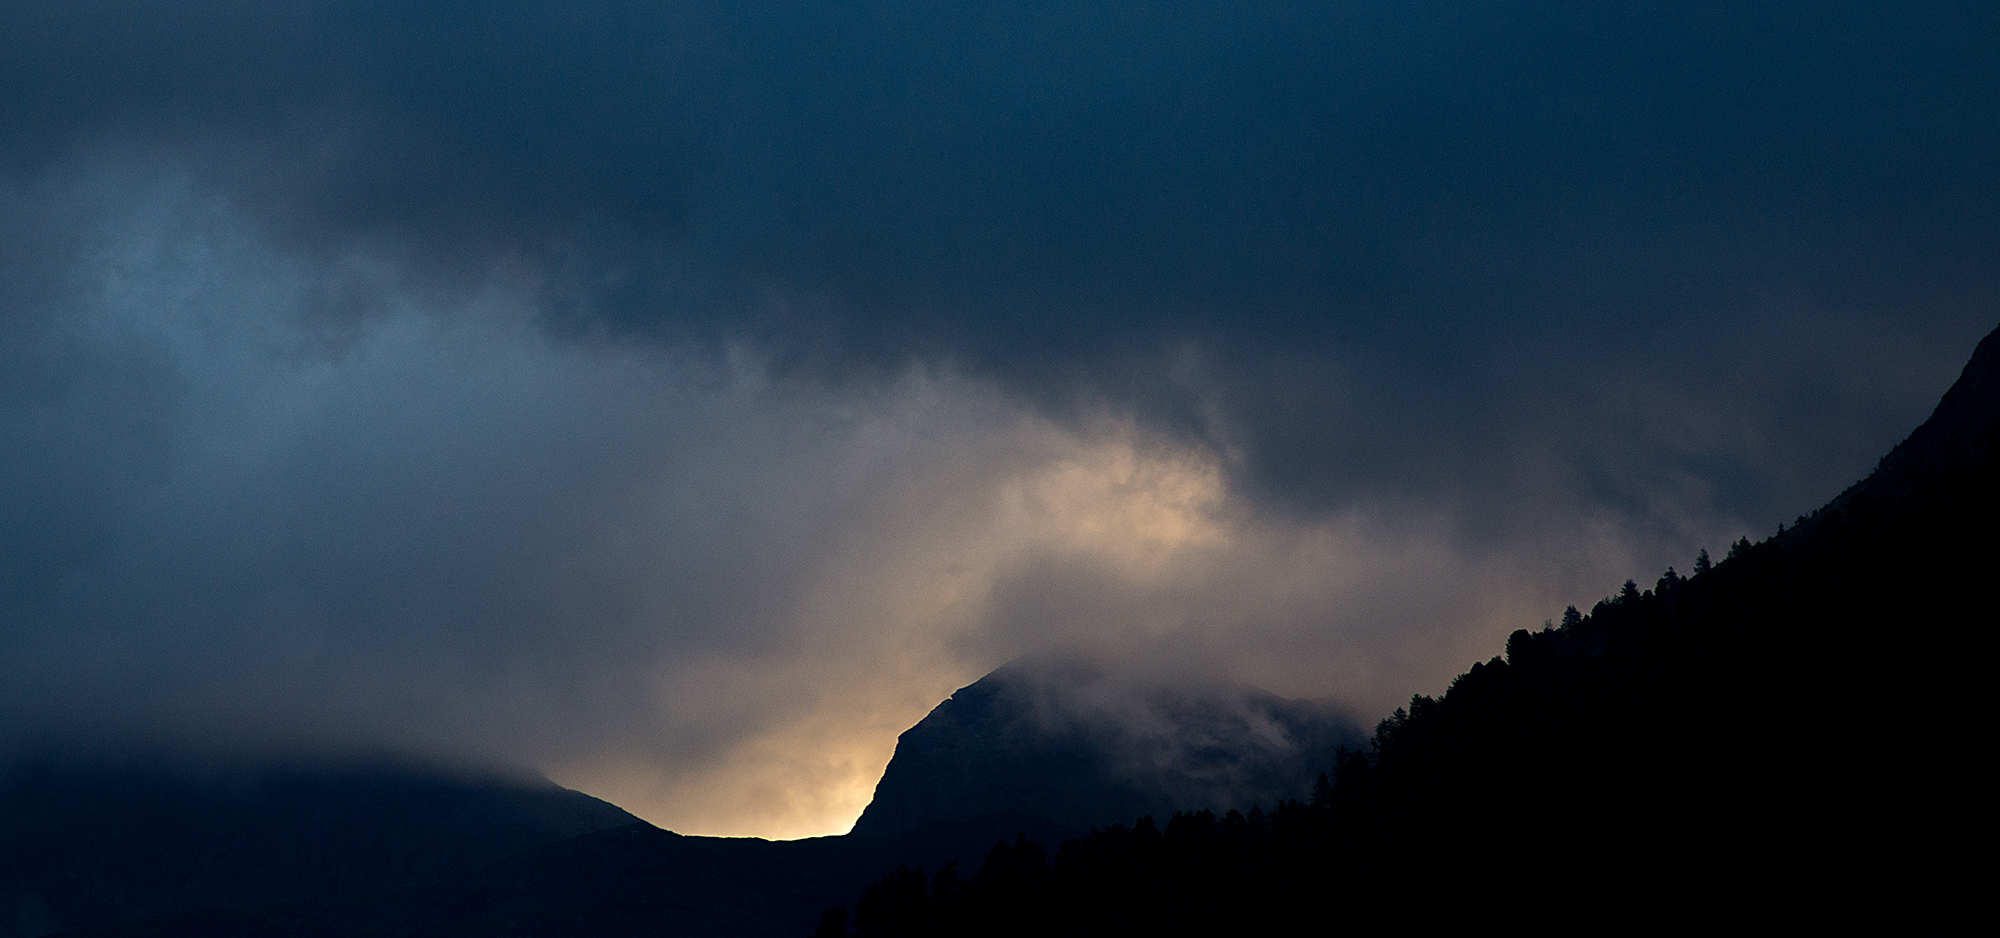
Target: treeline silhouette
x=1783, y=739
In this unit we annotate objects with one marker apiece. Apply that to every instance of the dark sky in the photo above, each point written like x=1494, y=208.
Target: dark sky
x=681, y=398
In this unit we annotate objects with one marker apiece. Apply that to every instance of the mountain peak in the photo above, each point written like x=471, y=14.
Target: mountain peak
x=1077, y=742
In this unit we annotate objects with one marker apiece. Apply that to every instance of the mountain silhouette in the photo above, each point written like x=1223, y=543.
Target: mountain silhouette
x=1047, y=747
x=1068, y=741
x=1784, y=739
x=85, y=842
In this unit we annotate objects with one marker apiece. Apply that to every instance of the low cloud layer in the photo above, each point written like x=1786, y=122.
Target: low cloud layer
x=683, y=402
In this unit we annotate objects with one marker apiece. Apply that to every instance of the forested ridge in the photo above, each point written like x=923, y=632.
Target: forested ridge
x=1782, y=738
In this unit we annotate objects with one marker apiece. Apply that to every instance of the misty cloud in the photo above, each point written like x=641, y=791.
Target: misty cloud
x=449, y=531
x=684, y=399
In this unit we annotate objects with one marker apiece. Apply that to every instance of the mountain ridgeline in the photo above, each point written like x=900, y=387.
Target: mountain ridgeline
x=1049, y=748
x=1781, y=739
x=86, y=842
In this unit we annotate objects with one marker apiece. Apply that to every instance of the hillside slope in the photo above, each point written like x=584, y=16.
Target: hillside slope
x=1784, y=740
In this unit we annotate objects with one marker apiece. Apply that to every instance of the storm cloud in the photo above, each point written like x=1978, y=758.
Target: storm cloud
x=683, y=398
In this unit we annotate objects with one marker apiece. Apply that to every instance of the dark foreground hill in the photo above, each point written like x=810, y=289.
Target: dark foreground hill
x=1787, y=740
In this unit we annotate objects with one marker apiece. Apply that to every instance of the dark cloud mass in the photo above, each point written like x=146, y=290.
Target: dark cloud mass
x=682, y=397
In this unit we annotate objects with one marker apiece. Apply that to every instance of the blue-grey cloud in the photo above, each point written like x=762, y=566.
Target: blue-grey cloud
x=1410, y=209
x=566, y=383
